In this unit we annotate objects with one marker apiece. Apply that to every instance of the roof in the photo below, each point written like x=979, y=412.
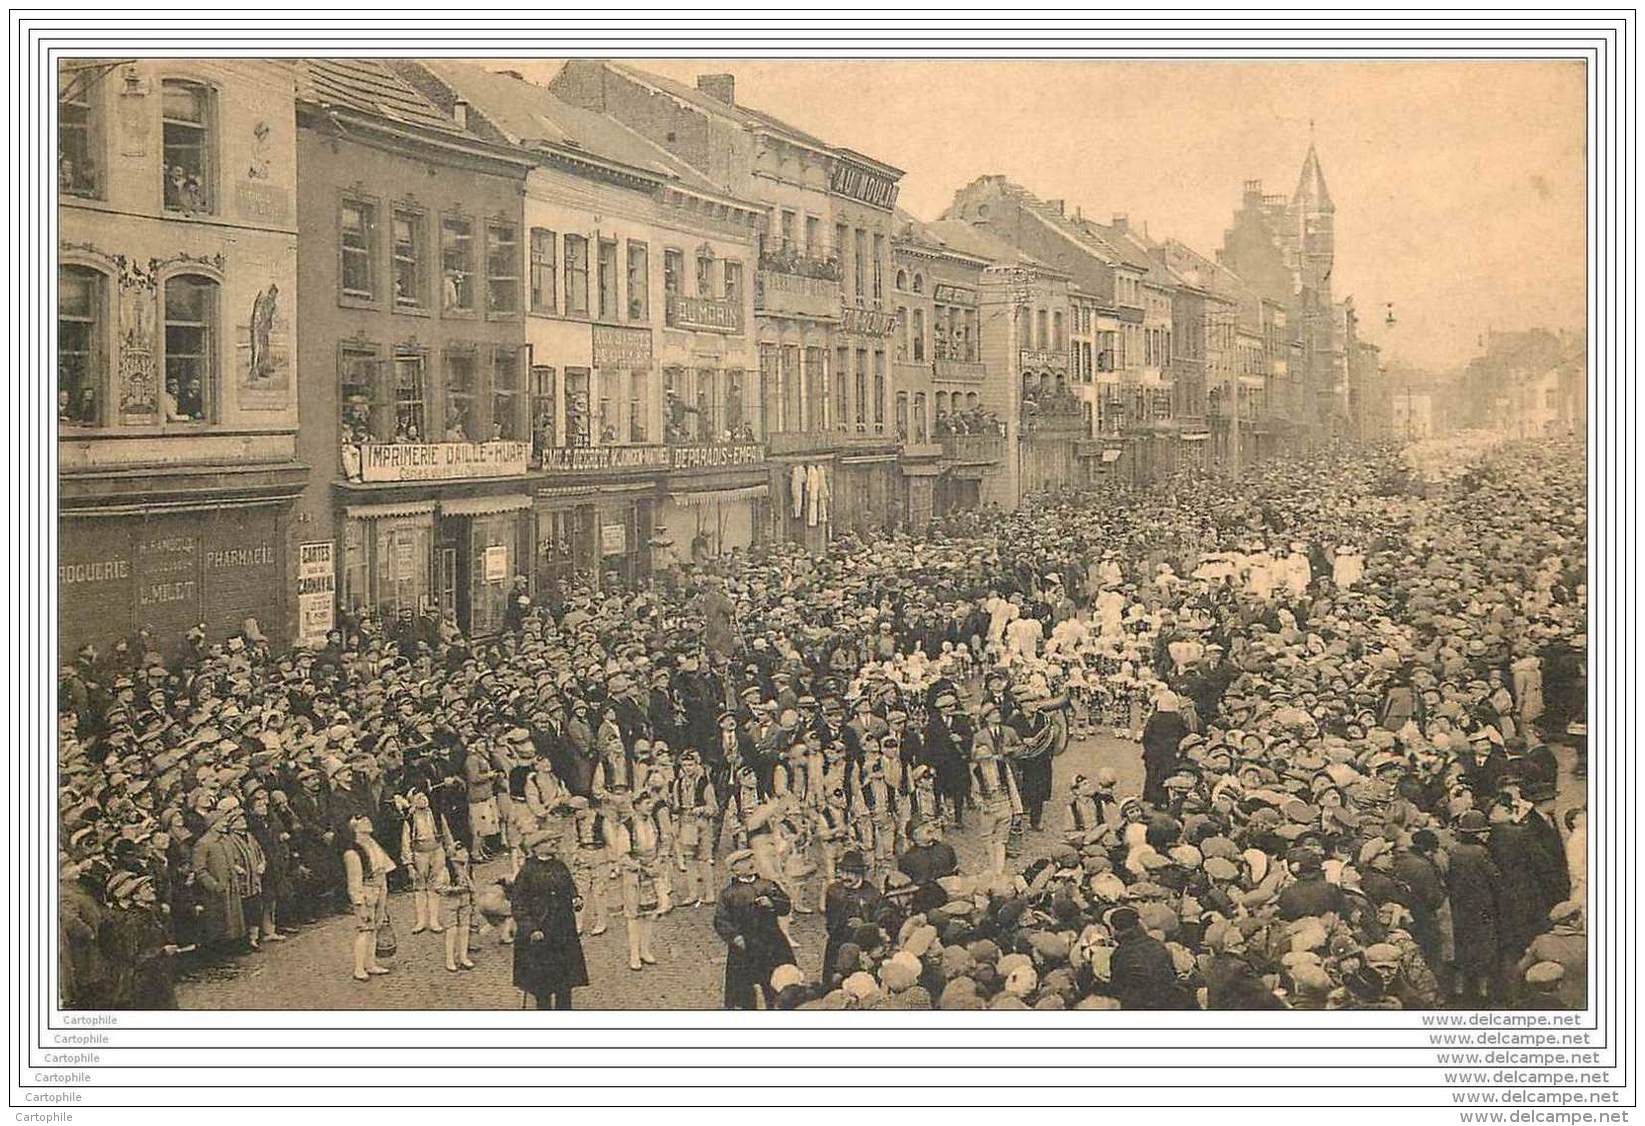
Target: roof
x=1311, y=192
x=746, y=116
x=961, y=237
x=528, y=114
x=367, y=86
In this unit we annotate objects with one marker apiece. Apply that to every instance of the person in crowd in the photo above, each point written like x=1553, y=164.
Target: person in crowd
x=746, y=918
x=366, y=866
x=548, y=954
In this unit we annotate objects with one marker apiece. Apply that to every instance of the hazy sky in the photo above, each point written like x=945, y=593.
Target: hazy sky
x=1459, y=186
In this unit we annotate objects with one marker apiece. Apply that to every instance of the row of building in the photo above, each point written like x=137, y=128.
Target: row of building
x=400, y=336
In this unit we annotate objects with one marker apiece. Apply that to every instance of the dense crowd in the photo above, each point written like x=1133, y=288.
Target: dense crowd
x=1344, y=688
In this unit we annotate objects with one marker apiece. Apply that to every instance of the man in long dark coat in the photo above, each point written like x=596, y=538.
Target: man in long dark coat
x=1143, y=975
x=1532, y=879
x=1476, y=890
x=747, y=919
x=548, y=956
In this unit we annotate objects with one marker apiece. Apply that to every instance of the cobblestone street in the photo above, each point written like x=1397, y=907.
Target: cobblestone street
x=311, y=970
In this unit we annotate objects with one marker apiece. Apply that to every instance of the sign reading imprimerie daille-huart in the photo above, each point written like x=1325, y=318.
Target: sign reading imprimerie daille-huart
x=443, y=461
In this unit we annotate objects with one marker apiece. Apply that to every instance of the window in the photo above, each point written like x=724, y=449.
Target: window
x=902, y=331
x=1041, y=340
x=185, y=116
x=605, y=280
x=457, y=263
x=409, y=283
x=578, y=419
x=788, y=232
x=705, y=275
x=919, y=283
x=859, y=264
x=461, y=381
x=734, y=282
x=502, y=269
x=812, y=235
x=971, y=335
x=841, y=366
x=637, y=387
x=919, y=336
x=79, y=164
x=902, y=415
x=359, y=407
x=1059, y=338
x=543, y=409
x=80, y=346
x=919, y=417
x=879, y=388
x=639, y=281
x=359, y=229
x=673, y=267
x=506, y=424
x=543, y=296
x=840, y=239
x=879, y=267
x=862, y=387
x=191, y=344
x=576, y=276
x=410, y=417
x=902, y=279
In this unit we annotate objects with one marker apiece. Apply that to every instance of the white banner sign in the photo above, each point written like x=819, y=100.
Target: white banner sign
x=443, y=461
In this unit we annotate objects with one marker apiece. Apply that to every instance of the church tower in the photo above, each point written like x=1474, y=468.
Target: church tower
x=1312, y=223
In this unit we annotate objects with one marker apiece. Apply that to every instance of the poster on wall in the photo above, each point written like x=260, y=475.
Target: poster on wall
x=613, y=539
x=263, y=352
x=496, y=563
x=316, y=592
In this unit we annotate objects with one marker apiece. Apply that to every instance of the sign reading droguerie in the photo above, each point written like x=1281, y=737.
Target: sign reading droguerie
x=316, y=591
x=168, y=573
x=442, y=461
x=593, y=459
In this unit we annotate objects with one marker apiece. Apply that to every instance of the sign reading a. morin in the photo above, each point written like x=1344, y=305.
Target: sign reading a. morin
x=443, y=461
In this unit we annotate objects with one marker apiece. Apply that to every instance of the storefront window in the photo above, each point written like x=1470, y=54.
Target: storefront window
x=80, y=346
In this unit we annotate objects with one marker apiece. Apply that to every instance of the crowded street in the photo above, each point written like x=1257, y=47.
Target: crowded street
x=1311, y=736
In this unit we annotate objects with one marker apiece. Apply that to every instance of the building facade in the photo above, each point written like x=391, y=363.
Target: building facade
x=823, y=317
x=647, y=415
x=416, y=413
x=177, y=392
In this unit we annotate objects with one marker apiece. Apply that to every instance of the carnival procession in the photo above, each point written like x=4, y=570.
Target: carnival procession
x=1343, y=699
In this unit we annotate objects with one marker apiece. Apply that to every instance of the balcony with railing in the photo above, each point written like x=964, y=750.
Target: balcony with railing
x=704, y=314
x=794, y=284
x=973, y=449
x=960, y=371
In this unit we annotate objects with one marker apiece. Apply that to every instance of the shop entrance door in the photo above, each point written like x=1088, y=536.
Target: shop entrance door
x=453, y=569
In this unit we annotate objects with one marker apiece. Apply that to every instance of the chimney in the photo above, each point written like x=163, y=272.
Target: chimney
x=1120, y=224
x=459, y=113
x=720, y=87
x=1056, y=203
x=1079, y=214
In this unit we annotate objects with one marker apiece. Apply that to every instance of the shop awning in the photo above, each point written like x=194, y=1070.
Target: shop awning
x=718, y=496
x=484, y=506
x=389, y=511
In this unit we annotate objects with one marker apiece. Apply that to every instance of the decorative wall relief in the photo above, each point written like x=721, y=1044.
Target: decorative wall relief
x=133, y=114
x=263, y=353
x=138, y=388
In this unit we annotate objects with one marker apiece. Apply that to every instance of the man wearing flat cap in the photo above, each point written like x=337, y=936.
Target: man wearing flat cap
x=747, y=919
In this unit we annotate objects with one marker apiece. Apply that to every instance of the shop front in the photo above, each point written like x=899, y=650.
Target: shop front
x=595, y=515
x=168, y=571
x=443, y=528
x=717, y=500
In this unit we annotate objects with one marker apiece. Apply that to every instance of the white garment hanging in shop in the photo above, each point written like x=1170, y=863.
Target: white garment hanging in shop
x=796, y=486
x=813, y=494
x=825, y=494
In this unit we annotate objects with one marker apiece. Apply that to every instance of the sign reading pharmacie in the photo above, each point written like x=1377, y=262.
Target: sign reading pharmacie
x=436, y=461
